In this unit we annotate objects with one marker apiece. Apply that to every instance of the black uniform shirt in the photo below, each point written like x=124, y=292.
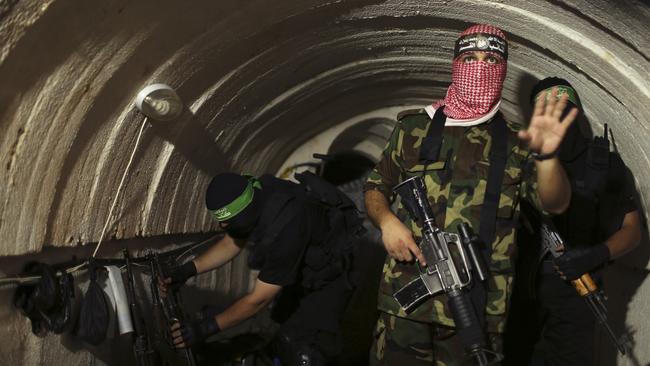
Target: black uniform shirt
x=600, y=200
x=288, y=226
x=623, y=191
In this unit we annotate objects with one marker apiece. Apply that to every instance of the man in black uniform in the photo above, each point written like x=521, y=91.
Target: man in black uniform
x=602, y=223
x=302, y=237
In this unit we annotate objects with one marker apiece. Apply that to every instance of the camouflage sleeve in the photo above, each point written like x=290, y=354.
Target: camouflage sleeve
x=386, y=173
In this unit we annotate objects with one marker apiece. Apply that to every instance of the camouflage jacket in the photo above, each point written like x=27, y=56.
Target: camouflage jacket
x=456, y=186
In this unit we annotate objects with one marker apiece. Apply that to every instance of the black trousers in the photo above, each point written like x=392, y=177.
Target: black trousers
x=567, y=333
x=310, y=320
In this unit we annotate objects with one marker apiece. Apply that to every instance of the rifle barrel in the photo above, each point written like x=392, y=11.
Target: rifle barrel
x=598, y=308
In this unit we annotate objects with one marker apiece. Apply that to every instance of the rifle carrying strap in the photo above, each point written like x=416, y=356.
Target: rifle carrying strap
x=498, y=158
x=430, y=151
x=430, y=148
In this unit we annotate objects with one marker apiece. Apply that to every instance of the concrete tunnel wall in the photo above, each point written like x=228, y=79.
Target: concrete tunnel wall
x=259, y=79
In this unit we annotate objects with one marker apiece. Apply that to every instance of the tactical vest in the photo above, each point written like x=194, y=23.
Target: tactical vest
x=322, y=261
x=596, y=176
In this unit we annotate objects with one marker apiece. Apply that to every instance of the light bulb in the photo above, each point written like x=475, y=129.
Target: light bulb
x=160, y=102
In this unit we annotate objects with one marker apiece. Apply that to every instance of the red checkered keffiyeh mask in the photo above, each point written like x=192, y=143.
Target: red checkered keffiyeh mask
x=476, y=86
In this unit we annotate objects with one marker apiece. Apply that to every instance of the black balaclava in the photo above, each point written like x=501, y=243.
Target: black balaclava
x=226, y=188
x=574, y=142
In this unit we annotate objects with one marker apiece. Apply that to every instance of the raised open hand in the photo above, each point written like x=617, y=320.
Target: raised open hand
x=546, y=131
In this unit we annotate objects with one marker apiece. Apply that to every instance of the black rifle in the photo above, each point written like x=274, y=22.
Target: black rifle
x=585, y=286
x=442, y=273
x=171, y=310
x=144, y=354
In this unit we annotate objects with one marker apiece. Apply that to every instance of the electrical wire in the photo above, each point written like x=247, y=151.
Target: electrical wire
x=119, y=188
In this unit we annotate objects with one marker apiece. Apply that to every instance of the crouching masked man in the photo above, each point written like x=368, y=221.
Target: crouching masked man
x=471, y=161
x=301, y=238
x=601, y=223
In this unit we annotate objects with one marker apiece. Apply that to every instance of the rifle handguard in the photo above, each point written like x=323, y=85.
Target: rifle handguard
x=467, y=324
x=469, y=329
x=585, y=285
x=471, y=242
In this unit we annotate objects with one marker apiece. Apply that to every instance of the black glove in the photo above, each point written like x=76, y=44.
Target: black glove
x=180, y=274
x=576, y=262
x=191, y=333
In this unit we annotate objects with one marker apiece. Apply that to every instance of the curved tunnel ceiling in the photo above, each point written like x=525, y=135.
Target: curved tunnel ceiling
x=258, y=79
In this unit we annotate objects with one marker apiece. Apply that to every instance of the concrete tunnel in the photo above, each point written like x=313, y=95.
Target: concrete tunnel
x=264, y=85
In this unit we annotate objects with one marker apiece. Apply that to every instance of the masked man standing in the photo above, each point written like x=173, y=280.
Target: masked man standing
x=302, y=238
x=601, y=223
x=471, y=161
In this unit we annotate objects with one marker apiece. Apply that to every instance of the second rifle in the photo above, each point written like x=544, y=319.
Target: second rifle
x=171, y=310
x=585, y=286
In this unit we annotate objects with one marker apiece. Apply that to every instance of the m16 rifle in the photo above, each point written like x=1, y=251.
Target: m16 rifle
x=442, y=272
x=585, y=286
x=169, y=307
x=144, y=354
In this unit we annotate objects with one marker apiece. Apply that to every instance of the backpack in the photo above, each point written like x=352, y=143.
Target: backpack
x=333, y=258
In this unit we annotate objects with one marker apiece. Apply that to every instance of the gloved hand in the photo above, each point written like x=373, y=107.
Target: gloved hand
x=576, y=262
x=179, y=274
x=188, y=334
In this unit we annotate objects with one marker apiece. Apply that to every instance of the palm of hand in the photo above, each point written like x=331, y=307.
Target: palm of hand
x=546, y=131
x=546, y=134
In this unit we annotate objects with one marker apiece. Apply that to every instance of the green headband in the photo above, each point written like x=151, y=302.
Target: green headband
x=240, y=203
x=561, y=89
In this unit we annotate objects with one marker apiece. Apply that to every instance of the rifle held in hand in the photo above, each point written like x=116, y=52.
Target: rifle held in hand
x=451, y=262
x=585, y=286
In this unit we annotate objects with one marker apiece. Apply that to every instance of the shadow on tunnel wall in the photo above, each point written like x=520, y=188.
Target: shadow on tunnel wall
x=192, y=139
